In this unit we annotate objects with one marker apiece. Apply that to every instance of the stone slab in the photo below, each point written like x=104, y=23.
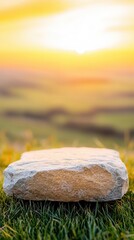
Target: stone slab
x=67, y=174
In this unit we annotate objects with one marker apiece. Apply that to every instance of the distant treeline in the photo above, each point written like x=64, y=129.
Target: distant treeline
x=49, y=114
x=72, y=119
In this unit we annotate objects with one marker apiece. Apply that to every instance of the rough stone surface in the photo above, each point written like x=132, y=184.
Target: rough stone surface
x=67, y=174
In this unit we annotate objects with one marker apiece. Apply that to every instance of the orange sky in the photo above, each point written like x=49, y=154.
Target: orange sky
x=78, y=36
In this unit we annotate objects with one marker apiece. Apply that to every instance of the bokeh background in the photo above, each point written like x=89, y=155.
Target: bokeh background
x=66, y=73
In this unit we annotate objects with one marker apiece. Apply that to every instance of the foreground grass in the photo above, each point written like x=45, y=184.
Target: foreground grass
x=46, y=220
x=24, y=220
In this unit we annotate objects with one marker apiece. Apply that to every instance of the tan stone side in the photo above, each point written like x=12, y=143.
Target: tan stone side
x=65, y=185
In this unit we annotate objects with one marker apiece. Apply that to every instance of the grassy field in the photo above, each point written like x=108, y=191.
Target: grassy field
x=72, y=111
x=56, y=221
x=73, y=96
x=69, y=113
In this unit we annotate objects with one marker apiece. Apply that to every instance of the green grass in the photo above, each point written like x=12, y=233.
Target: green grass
x=85, y=221
x=28, y=220
x=120, y=121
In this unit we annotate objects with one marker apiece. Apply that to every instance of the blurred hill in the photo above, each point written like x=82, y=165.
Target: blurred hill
x=104, y=107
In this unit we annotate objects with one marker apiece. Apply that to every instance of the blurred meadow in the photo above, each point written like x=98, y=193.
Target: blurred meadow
x=77, y=112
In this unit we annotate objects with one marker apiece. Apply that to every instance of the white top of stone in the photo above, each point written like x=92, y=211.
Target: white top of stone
x=67, y=158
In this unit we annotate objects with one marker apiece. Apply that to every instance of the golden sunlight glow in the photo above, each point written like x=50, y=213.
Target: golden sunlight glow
x=72, y=33
x=80, y=30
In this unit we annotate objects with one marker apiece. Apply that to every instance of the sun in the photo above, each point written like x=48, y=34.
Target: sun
x=81, y=30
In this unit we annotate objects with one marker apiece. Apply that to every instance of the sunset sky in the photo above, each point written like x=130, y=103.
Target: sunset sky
x=81, y=36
